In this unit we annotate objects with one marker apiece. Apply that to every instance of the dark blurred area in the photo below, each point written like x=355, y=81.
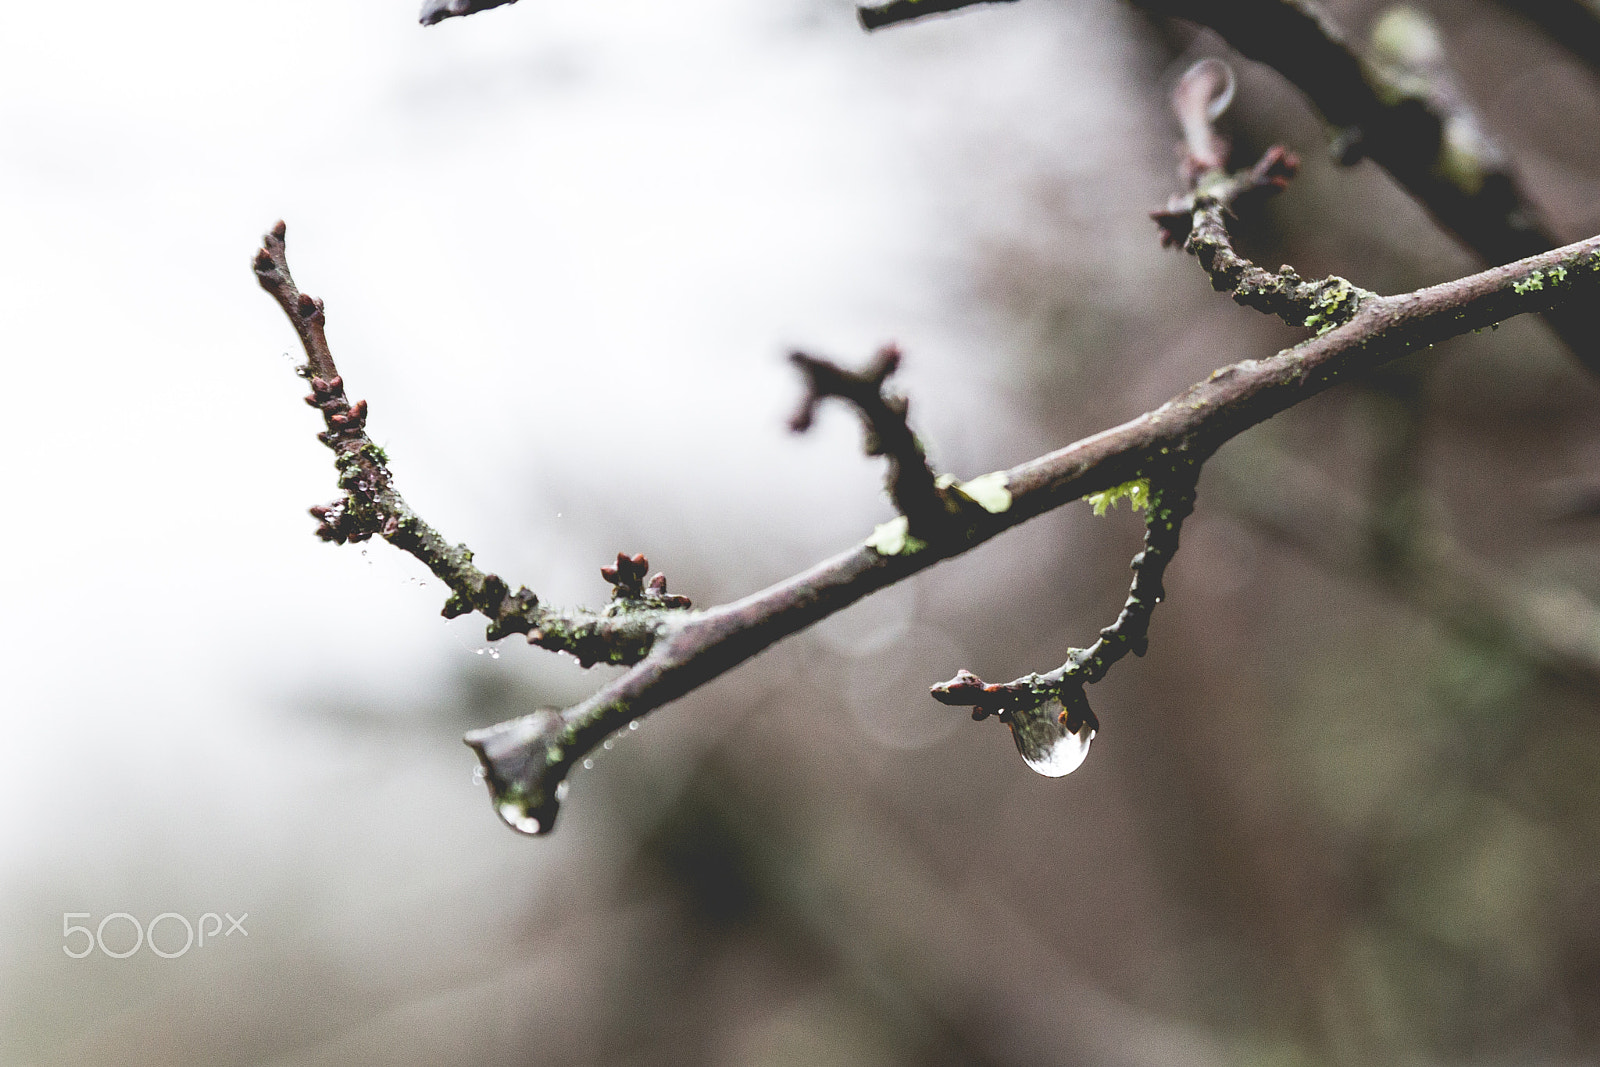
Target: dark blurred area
x=1343, y=812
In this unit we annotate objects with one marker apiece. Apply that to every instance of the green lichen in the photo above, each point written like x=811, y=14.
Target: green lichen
x=893, y=538
x=1333, y=305
x=1533, y=283
x=1137, y=493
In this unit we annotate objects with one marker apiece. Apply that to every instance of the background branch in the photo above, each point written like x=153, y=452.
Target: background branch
x=1407, y=116
x=897, y=11
x=438, y=10
x=1573, y=24
x=1553, y=628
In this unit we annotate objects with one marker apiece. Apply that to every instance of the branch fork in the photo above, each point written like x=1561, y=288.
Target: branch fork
x=1169, y=501
x=929, y=503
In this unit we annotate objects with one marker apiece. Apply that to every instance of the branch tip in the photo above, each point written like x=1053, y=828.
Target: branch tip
x=436, y=11
x=911, y=482
x=876, y=17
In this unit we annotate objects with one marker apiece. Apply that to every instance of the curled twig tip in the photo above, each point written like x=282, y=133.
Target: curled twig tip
x=1199, y=99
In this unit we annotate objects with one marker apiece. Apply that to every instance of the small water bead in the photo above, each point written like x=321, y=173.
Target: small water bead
x=516, y=817
x=562, y=789
x=608, y=744
x=588, y=764
x=634, y=725
x=477, y=775
x=1047, y=746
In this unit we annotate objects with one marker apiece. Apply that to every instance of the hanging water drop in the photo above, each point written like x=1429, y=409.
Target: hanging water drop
x=588, y=764
x=634, y=725
x=562, y=788
x=477, y=775
x=517, y=817
x=494, y=653
x=1046, y=745
x=608, y=744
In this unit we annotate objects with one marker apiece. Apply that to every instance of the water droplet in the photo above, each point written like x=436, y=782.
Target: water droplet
x=588, y=764
x=634, y=725
x=494, y=653
x=517, y=817
x=608, y=744
x=1045, y=744
x=562, y=789
x=479, y=651
x=477, y=775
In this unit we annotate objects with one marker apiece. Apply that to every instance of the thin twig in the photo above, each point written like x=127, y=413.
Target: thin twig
x=623, y=634
x=897, y=11
x=911, y=482
x=1170, y=499
x=438, y=10
x=1198, y=218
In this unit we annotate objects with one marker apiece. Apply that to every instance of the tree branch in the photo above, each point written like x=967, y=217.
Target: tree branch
x=673, y=651
x=438, y=10
x=1403, y=124
x=916, y=493
x=623, y=633
x=1407, y=115
x=1197, y=218
x=897, y=11
x=1049, y=714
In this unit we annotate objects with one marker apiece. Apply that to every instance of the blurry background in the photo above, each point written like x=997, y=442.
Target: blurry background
x=1344, y=812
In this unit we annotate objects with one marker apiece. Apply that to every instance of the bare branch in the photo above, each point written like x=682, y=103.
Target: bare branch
x=911, y=482
x=1198, y=217
x=1201, y=97
x=1170, y=499
x=1400, y=123
x=1405, y=114
x=897, y=11
x=1054, y=742
x=438, y=10
x=526, y=759
x=624, y=633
